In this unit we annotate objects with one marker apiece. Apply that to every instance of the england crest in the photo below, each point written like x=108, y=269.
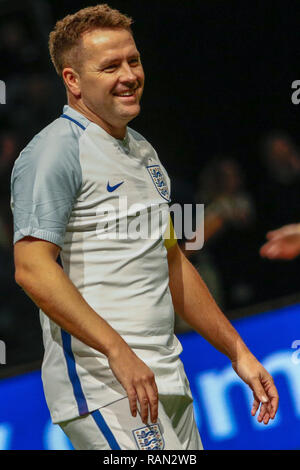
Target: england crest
x=149, y=437
x=159, y=181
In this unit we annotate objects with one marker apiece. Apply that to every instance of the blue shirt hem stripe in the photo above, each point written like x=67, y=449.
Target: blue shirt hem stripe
x=71, y=366
x=105, y=430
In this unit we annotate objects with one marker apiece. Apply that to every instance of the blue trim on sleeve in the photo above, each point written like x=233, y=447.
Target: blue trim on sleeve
x=65, y=116
x=105, y=430
x=71, y=366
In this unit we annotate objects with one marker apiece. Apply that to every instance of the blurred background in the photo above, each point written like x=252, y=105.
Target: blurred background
x=218, y=109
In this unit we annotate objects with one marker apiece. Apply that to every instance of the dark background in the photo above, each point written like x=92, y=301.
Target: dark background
x=218, y=80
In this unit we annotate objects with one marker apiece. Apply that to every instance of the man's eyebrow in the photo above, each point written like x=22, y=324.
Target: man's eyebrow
x=111, y=60
x=136, y=54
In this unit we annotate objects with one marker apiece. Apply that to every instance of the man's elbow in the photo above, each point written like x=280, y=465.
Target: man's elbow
x=21, y=276
x=33, y=257
x=27, y=274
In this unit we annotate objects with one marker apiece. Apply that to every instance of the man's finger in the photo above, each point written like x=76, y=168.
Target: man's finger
x=144, y=403
x=266, y=418
x=258, y=390
x=152, y=393
x=271, y=234
x=272, y=394
x=270, y=250
x=255, y=406
x=273, y=401
x=262, y=413
x=132, y=396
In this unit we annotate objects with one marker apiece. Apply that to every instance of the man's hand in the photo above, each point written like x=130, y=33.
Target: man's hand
x=138, y=381
x=261, y=383
x=283, y=243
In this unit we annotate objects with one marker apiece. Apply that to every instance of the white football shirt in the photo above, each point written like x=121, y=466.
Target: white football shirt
x=76, y=186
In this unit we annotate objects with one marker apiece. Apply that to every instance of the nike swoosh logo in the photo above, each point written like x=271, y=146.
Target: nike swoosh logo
x=110, y=189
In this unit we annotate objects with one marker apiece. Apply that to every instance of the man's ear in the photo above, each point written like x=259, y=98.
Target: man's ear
x=72, y=81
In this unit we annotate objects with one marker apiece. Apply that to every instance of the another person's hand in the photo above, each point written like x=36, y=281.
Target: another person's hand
x=138, y=381
x=283, y=243
x=262, y=385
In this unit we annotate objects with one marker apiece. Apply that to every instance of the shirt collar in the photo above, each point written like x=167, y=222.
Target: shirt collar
x=74, y=114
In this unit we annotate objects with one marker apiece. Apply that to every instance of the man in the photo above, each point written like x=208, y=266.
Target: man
x=111, y=371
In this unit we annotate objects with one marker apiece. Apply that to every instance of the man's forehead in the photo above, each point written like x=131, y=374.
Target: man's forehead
x=108, y=40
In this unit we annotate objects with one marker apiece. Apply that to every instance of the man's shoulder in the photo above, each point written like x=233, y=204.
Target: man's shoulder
x=58, y=140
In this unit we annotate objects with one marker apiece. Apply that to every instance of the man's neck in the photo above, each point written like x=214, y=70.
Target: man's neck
x=116, y=132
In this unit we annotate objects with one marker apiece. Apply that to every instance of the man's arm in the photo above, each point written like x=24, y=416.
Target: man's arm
x=283, y=243
x=193, y=302
x=45, y=282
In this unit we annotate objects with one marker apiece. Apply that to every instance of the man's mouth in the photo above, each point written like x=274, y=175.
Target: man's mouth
x=126, y=93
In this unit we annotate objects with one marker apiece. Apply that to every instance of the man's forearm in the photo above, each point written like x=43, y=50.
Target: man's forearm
x=52, y=291
x=194, y=303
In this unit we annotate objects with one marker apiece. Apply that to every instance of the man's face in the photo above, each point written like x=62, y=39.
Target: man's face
x=111, y=76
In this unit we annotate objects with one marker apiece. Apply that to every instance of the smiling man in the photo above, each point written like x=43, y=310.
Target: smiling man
x=109, y=82
x=111, y=370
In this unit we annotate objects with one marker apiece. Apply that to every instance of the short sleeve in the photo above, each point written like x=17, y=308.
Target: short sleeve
x=45, y=181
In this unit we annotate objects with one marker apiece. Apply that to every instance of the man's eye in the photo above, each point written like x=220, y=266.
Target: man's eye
x=110, y=68
x=135, y=61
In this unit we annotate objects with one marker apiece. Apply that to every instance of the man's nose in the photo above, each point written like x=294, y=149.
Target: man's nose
x=127, y=74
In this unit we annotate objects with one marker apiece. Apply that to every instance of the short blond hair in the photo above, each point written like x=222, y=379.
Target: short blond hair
x=64, y=40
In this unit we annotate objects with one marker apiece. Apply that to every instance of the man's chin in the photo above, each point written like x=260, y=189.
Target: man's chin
x=130, y=114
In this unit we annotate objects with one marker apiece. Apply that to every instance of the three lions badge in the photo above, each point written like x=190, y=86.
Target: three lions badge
x=159, y=181
x=149, y=437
